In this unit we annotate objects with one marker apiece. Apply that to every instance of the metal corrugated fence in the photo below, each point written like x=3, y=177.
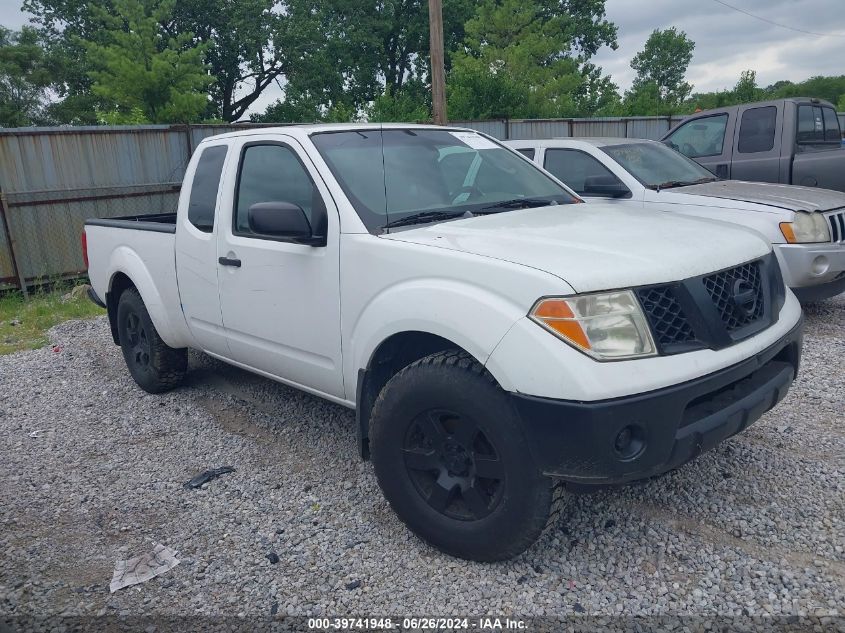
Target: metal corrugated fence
x=619, y=127
x=52, y=179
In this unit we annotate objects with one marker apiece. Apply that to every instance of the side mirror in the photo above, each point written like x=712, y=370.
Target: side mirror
x=283, y=220
x=607, y=186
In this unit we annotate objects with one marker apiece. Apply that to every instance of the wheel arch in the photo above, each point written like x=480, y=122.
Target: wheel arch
x=118, y=284
x=391, y=356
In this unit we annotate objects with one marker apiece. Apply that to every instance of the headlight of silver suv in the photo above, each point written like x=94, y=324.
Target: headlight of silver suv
x=806, y=228
x=606, y=325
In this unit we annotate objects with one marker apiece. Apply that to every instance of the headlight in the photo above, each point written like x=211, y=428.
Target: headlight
x=807, y=227
x=607, y=326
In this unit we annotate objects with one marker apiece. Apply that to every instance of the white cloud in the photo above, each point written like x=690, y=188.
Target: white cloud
x=728, y=42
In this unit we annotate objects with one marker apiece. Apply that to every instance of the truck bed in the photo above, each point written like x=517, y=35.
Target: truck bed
x=145, y=246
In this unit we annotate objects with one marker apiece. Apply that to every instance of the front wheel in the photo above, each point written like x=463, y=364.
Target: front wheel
x=452, y=461
x=154, y=366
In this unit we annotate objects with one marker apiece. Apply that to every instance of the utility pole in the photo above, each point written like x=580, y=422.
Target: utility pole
x=438, y=69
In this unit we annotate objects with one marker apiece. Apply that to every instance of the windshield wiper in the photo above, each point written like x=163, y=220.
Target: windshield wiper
x=424, y=216
x=682, y=183
x=516, y=203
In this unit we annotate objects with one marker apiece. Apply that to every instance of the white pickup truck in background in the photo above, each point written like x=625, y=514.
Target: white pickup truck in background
x=496, y=336
x=806, y=225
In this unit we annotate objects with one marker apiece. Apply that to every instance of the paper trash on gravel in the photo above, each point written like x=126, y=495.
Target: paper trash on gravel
x=141, y=568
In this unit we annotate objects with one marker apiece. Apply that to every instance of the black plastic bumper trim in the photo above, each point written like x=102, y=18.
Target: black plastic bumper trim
x=576, y=441
x=95, y=298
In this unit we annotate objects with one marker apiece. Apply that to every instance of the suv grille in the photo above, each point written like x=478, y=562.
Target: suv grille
x=725, y=287
x=669, y=324
x=837, y=226
x=716, y=310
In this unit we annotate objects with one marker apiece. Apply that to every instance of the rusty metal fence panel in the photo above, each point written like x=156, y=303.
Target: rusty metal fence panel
x=52, y=179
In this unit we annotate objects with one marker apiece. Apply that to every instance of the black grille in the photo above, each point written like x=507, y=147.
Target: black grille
x=837, y=226
x=669, y=324
x=723, y=288
x=714, y=311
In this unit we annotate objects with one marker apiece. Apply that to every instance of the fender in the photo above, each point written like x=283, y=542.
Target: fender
x=469, y=316
x=172, y=331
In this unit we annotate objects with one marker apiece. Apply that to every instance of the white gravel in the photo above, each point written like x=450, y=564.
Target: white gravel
x=755, y=527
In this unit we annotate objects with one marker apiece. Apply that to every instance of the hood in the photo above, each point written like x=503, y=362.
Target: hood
x=787, y=197
x=597, y=246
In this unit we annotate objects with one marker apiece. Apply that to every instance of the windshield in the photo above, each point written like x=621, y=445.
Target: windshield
x=656, y=166
x=398, y=177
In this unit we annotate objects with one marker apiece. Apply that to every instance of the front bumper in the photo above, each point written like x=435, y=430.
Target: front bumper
x=635, y=437
x=811, y=265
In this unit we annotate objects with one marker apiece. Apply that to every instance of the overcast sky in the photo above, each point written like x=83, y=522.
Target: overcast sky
x=727, y=42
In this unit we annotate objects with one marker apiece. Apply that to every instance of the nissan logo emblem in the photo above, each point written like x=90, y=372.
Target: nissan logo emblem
x=744, y=298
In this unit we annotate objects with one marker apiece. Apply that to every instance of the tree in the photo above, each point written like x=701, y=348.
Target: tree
x=359, y=53
x=140, y=70
x=530, y=59
x=746, y=90
x=24, y=79
x=661, y=67
x=247, y=44
x=245, y=40
x=409, y=104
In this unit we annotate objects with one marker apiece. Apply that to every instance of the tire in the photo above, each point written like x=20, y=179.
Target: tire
x=435, y=428
x=154, y=366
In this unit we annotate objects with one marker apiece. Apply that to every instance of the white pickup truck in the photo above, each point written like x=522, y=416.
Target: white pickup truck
x=495, y=336
x=806, y=225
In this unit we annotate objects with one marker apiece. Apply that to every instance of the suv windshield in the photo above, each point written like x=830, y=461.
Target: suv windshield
x=658, y=167
x=397, y=177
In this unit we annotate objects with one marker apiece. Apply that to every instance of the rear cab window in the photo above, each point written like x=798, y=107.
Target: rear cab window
x=817, y=125
x=527, y=152
x=204, y=187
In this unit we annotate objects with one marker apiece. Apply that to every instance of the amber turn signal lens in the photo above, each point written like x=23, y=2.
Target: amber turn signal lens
x=556, y=315
x=788, y=233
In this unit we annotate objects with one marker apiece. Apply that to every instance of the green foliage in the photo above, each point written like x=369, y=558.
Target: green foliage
x=247, y=46
x=24, y=79
x=140, y=68
x=408, y=104
x=660, y=87
x=62, y=26
x=35, y=316
x=529, y=59
x=746, y=90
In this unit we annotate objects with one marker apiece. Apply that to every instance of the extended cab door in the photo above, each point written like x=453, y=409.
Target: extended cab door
x=196, y=249
x=708, y=140
x=280, y=299
x=757, y=153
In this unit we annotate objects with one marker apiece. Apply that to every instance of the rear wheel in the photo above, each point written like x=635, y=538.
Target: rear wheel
x=451, y=458
x=154, y=366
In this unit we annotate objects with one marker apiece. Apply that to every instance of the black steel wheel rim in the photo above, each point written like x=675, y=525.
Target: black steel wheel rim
x=138, y=341
x=453, y=465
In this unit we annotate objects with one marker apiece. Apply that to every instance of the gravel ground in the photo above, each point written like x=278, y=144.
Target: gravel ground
x=92, y=471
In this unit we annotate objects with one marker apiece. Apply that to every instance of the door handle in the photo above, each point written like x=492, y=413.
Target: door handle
x=227, y=261
x=722, y=170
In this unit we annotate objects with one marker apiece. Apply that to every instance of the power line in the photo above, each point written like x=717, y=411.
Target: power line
x=783, y=26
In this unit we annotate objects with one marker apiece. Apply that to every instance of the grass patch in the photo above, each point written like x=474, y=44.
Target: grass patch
x=38, y=314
